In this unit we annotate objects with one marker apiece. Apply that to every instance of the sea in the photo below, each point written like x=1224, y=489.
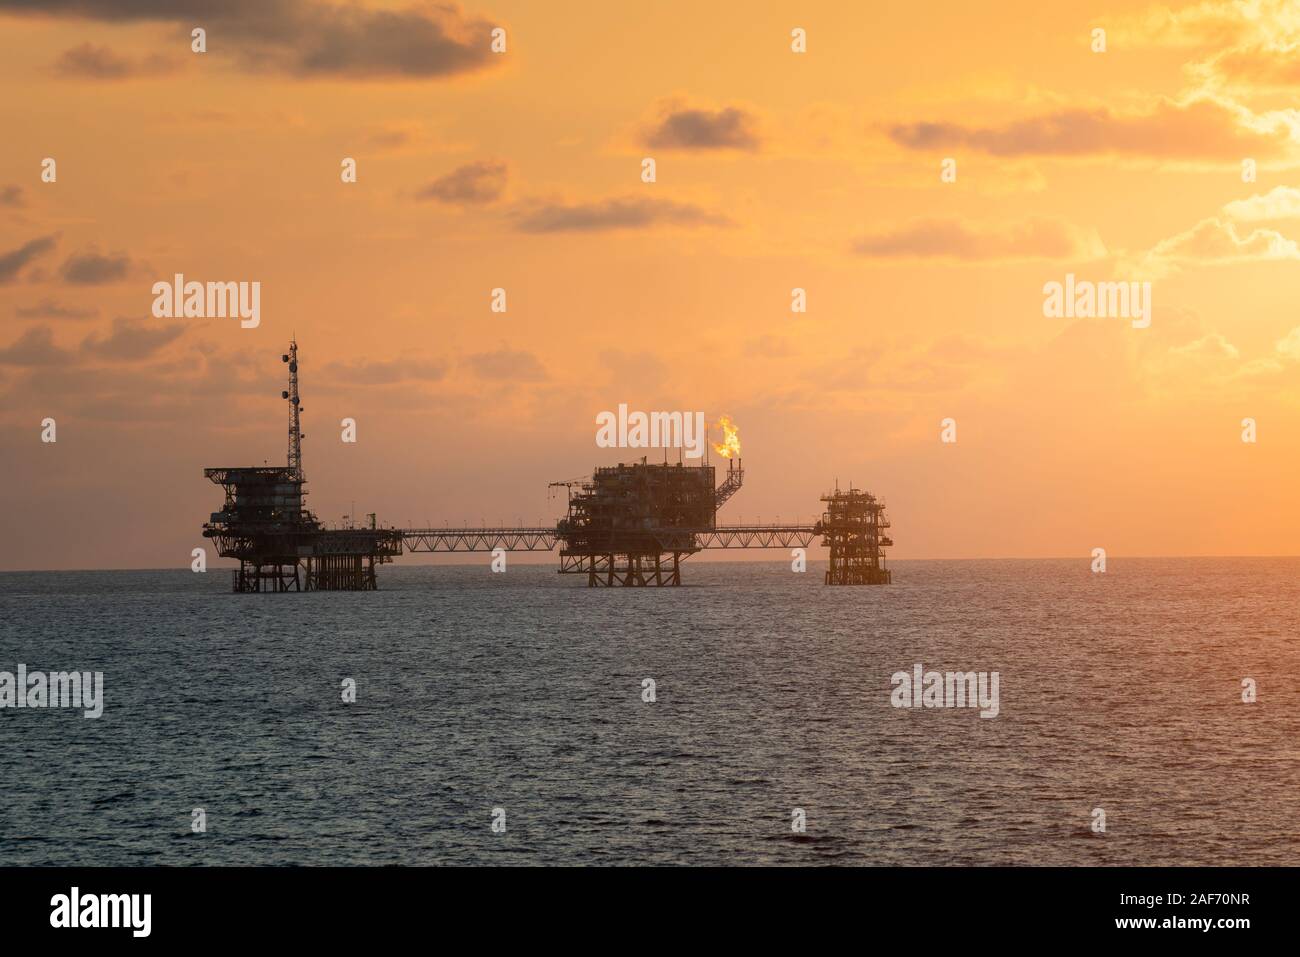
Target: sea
x=1146, y=716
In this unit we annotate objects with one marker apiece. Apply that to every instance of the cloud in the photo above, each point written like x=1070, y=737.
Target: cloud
x=392, y=136
x=1209, y=23
x=93, y=269
x=35, y=347
x=12, y=262
x=1212, y=346
x=49, y=309
x=1245, y=47
x=682, y=128
x=473, y=184
x=309, y=38
x=1200, y=129
x=101, y=63
x=1215, y=242
x=637, y=372
x=1289, y=345
x=1228, y=238
x=1259, y=66
x=131, y=339
x=948, y=365
x=622, y=213
x=953, y=239
x=507, y=364
x=183, y=383
x=769, y=347
x=364, y=372
x=1283, y=202
x=12, y=196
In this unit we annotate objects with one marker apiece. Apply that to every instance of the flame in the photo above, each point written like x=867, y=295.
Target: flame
x=730, y=439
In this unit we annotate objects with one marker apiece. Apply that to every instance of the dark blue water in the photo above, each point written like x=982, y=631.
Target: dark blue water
x=522, y=691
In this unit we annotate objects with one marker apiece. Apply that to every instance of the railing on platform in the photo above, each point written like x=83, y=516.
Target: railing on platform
x=756, y=536
x=479, y=539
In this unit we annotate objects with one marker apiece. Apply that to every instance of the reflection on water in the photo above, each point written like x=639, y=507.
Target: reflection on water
x=523, y=691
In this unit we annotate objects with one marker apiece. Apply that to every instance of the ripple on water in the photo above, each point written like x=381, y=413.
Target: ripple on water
x=1119, y=691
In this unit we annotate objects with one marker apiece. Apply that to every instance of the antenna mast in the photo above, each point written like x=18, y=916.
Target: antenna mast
x=295, y=431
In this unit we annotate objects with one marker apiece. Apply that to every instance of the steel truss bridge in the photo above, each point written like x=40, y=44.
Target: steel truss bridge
x=479, y=539
x=545, y=539
x=648, y=556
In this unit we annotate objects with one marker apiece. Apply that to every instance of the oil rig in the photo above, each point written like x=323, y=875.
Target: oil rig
x=628, y=524
x=278, y=541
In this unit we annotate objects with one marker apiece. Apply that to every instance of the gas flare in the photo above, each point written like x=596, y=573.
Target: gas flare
x=730, y=447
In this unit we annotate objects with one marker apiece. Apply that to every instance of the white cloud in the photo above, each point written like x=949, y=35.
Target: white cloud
x=1283, y=202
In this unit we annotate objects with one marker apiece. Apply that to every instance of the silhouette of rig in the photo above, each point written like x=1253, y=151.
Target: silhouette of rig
x=626, y=525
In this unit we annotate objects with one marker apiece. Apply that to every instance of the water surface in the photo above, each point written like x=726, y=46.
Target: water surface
x=522, y=691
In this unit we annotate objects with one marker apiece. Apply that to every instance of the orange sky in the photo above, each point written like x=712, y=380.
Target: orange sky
x=775, y=170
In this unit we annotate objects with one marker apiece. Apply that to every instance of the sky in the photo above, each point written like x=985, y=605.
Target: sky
x=1169, y=157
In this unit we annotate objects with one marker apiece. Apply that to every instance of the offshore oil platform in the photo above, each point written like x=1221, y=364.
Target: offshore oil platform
x=626, y=525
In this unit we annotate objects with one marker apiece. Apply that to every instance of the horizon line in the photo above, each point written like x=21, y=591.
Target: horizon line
x=755, y=561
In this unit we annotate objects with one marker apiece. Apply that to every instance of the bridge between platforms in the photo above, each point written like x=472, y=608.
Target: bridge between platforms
x=654, y=559
x=544, y=539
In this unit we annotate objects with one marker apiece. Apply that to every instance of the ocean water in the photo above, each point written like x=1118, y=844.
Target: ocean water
x=523, y=692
